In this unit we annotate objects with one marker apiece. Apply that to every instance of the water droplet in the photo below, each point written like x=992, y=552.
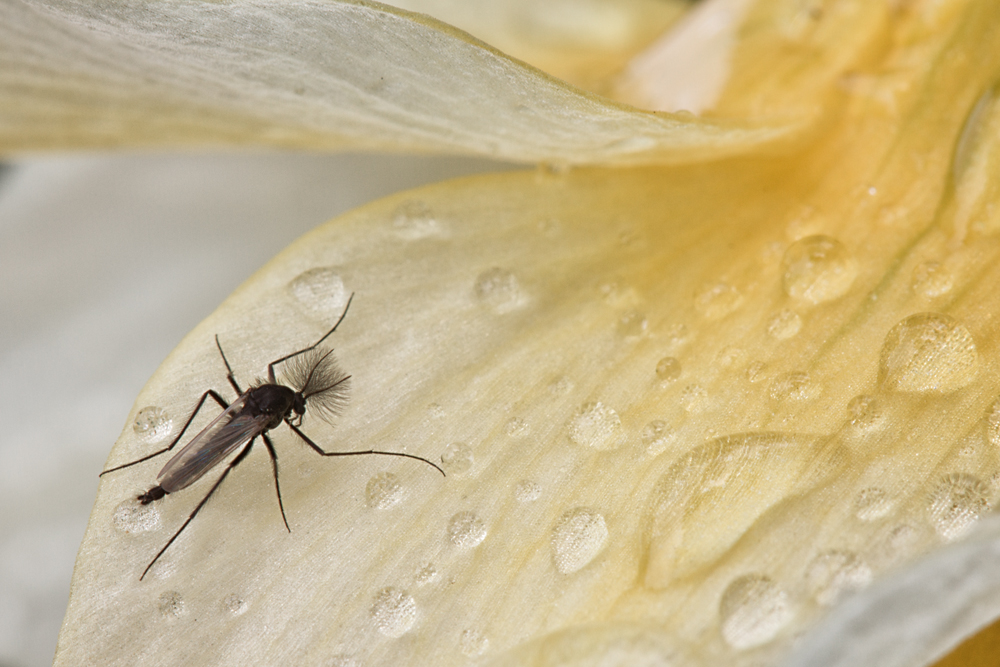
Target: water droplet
x=668, y=369
x=795, y=386
x=383, y=491
x=516, y=428
x=756, y=372
x=752, y=611
x=656, y=436
x=426, y=574
x=730, y=356
x=436, y=411
x=457, y=458
x=321, y=291
x=632, y=325
x=863, y=411
x=235, y=604
x=693, y=397
x=930, y=279
x=715, y=301
x=872, y=503
x=784, y=324
x=394, y=612
x=993, y=424
x=132, y=517
x=170, y=604
x=676, y=336
x=152, y=424
x=578, y=537
x=466, y=530
x=818, y=269
x=956, y=504
x=596, y=425
x=500, y=290
x=527, y=491
x=928, y=352
x=833, y=572
x=473, y=643
x=414, y=220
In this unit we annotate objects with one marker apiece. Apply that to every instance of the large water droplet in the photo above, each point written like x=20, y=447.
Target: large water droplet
x=596, y=425
x=321, y=291
x=170, y=604
x=466, y=530
x=668, y=369
x=132, y=517
x=956, y=504
x=716, y=300
x=928, y=352
x=457, y=458
x=753, y=610
x=383, y=491
x=578, y=537
x=784, y=324
x=818, y=269
x=499, y=289
x=152, y=424
x=394, y=612
x=833, y=572
x=872, y=503
x=414, y=220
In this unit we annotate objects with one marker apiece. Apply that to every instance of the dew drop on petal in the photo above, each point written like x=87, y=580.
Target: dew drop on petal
x=818, y=269
x=152, y=424
x=693, y=397
x=596, y=425
x=930, y=280
x=473, y=643
x=457, y=458
x=383, y=491
x=320, y=291
x=784, y=324
x=716, y=300
x=133, y=517
x=752, y=611
x=170, y=604
x=795, y=386
x=863, y=411
x=834, y=572
x=632, y=325
x=668, y=369
x=426, y=574
x=958, y=501
x=993, y=424
x=516, y=428
x=235, y=604
x=657, y=436
x=414, y=220
x=578, y=537
x=872, y=503
x=527, y=491
x=499, y=289
x=466, y=530
x=928, y=352
x=394, y=612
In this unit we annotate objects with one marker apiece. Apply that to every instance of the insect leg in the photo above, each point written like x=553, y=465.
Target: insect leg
x=321, y=452
x=277, y=487
x=211, y=392
x=231, y=377
x=270, y=366
x=235, y=462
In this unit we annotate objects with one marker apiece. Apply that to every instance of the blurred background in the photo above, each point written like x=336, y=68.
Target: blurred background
x=105, y=264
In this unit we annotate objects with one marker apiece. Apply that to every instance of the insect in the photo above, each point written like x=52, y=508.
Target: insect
x=314, y=380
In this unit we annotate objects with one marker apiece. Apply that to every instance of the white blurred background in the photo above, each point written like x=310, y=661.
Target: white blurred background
x=105, y=264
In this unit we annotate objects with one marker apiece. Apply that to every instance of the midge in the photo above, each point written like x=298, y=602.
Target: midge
x=314, y=381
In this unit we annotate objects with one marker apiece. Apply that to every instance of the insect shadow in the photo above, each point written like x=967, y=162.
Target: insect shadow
x=314, y=380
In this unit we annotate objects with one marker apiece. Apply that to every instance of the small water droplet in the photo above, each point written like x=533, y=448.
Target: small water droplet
x=596, y=425
x=383, y=491
x=818, y=269
x=993, y=424
x=833, y=572
x=436, y=411
x=473, y=643
x=152, y=424
x=716, y=300
x=930, y=279
x=516, y=428
x=414, y=220
x=863, y=411
x=632, y=325
x=730, y=356
x=928, y=352
x=753, y=610
x=499, y=289
x=794, y=386
x=561, y=386
x=872, y=503
x=784, y=324
x=676, y=336
x=170, y=604
x=693, y=397
x=657, y=436
x=756, y=372
x=578, y=537
x=426, y=574
x=956, y=504
x=466, y=530
x=320, y=291
x=527, y=491
x=394, y=612
x=235, y=604
x=132, y=517
x=668, y=369
x=457, y=458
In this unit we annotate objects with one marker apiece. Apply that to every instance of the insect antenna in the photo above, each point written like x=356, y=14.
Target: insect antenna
x=322, y=382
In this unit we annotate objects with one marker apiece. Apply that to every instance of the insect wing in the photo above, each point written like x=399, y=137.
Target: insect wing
x=221, y=437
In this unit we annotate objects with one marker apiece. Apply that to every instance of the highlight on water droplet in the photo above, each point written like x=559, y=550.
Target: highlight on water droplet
x=872, y=503
x=394, y=611
x=466, y=530
x=235, y=604
x=383, y=491
x=457, y=458
x=928, y=352
x=716, y=300
x=958, y=501
x=832, y=573
x=930, y=280
x=579, y=536
x=668, y=369
x=752, y=611
x=320, y=291
x=596, y=425
x=817, y=269
x=132, y=517
x=784, y=324
x=152, y=424
x=500, y=290
x=473, y=643
x=527, y=491
x=414, y=220
x=795, y=386
x=170, y=604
